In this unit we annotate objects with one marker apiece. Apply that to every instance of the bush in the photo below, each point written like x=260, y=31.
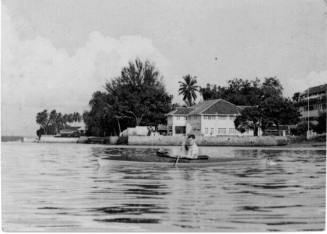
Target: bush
x=321, y=126
x=123, y=140
x=301, y=129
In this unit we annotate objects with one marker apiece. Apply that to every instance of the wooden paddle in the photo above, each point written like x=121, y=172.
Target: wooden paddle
x=176, y=161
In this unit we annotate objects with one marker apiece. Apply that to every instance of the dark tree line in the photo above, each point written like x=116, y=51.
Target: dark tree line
x=136, y=97
x=51, y=123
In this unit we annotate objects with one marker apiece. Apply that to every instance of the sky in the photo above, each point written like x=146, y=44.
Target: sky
x=55, y=54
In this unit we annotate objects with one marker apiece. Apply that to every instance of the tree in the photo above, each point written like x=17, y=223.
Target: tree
x=321, y=126
x=272, y=111
x=238, y=91
x=302, y=128
x=53, y=122
x=42, y=118
x=39, y=133
x=268, y=107
x=76, y=117
x=279, y=111
x=250, y=118
x=271, y=87
x=296, y=97
x=98, y=120
x=244, y=92
x=136, y=97
x=212, y=92
x=139, y=94
x=188, y=89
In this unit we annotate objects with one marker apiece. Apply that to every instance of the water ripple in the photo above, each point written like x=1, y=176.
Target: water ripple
x=53, y=187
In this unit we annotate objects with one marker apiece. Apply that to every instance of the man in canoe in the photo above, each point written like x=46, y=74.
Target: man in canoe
x=190, y=148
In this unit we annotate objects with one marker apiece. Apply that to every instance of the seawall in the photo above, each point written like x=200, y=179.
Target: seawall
x=209, y=141
x=174, y=140
x=52, y=139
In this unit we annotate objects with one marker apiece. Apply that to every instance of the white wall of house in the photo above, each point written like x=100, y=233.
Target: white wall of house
x=215, y=125
x=176, y=121
x=207, y=125
x=194, y=121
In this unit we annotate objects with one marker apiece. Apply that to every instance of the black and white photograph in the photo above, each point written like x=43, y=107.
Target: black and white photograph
x=163, y=115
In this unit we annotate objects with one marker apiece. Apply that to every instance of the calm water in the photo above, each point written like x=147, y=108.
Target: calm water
x=62, y=187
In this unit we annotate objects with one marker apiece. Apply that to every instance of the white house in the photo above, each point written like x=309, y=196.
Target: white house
x=208, y=118
x=176, y=121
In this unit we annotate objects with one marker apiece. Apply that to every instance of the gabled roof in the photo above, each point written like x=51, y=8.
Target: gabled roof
x=209, y=107
x=221, y=107
x=198, y=108
x=181, y=111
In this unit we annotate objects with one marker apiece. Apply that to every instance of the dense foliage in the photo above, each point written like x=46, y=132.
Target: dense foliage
x=251, y=118
x=266, y=105
x=51, y=123
x=321, y=126
x=244, y=92
x=136, y=97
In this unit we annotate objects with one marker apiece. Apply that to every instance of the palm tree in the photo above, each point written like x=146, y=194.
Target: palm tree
x=77, y=117
x=188, y=89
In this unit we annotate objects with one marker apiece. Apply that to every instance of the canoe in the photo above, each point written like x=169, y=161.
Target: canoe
x=165, y=159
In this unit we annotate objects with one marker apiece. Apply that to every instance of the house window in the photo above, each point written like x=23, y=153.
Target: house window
x=221, y=131
x=206, y=130
x=211, y=131
x=178, y=117
x=222, y=117
x=180, y=129
x=232, y=131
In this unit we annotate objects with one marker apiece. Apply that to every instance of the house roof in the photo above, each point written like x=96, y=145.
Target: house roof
x=210, y=107
x=181, y=111
x=76, y=125
x=222, y=107
x=198, y=108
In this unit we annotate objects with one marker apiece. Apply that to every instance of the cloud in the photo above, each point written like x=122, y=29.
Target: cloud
x=36, y=75
x=314, y=78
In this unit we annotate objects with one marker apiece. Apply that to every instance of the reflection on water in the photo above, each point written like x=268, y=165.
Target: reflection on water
x=54, y=187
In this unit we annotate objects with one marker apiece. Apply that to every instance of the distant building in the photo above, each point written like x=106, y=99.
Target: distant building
x=208, y=118
x=74, y=129
x=315, y=97
x=137, y=131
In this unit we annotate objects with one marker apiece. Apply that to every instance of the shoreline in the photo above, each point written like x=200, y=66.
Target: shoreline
x=293, y=145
